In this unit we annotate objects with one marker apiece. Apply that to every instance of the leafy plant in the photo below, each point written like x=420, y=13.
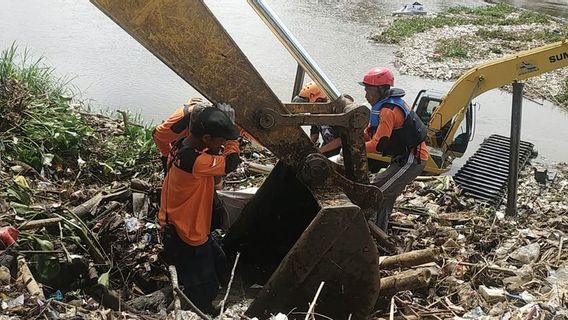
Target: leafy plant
x=453, y=48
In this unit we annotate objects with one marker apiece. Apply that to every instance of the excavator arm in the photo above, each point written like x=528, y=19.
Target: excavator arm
x=491, y=75
x=445, y=113
x=309, y=214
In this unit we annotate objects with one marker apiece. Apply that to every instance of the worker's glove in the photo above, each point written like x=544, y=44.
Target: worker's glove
x=228, y=110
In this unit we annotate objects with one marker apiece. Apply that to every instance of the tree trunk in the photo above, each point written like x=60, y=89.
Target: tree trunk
x=407, y=280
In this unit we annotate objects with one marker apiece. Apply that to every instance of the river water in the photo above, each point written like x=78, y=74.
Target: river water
x=555, y=8
x=115, y=72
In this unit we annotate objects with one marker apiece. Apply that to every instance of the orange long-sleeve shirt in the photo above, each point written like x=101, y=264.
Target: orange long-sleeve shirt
x=174, y=127
x=391, y=119
x=187, y=190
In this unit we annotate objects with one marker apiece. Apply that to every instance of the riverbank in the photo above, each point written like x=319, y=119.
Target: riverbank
x=445, y=45
x=79, y=195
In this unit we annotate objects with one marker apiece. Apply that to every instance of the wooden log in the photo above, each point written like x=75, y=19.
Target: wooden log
x=383, y=239
x=409, y=259
x=38, y=224
x=88, y=206
x=407, y=280
x=119, y=195
x=260, y=168
x=33, y=287
x=91, y=205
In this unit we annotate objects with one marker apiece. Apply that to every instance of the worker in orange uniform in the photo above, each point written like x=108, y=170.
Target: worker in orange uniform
x=396, y=131
x=331, y=145
x=187, y=203
x=177, y=127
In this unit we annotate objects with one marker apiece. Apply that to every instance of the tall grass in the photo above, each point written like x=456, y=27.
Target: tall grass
x=38, y=78
x=43, y=129
x=39, y=126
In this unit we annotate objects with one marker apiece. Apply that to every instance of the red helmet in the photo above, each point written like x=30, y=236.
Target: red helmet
x=378, y=77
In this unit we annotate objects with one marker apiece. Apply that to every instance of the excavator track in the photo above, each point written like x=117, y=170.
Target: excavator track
x=484, y=176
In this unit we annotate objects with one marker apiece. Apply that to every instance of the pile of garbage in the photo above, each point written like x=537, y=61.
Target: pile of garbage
x=474, y=262
x=79, y=238
x=73, y=246
x=102, y=255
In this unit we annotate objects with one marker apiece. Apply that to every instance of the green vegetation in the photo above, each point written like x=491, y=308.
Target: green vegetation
x=403, y=28
x=546, y=35
x=497, y=34
x=40, y=126
x=500, y=14
x=453, y=48
x=499, y=11
x=562, y=97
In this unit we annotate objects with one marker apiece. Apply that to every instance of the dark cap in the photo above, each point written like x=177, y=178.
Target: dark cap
x=214, y=122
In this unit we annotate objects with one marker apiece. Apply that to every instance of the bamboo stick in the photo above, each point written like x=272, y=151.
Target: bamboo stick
x=177, y=302
x=409, y=259
x=229, y=285
x=38, y=224
x=28, y=278
x=190, y=303
x=86, y=207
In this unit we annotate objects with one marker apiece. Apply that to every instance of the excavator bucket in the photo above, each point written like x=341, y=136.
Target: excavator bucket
x=305, y=235
x=304, y=238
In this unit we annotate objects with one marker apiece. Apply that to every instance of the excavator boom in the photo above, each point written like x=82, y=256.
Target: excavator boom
x=491, y=75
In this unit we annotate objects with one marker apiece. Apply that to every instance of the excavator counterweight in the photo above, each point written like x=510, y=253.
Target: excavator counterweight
x=307, y=222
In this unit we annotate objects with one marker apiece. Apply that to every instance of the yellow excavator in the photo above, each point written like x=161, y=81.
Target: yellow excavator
x=450, y=116
x=307, y=224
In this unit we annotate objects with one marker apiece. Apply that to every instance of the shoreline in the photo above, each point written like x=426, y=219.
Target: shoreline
x=453, y=42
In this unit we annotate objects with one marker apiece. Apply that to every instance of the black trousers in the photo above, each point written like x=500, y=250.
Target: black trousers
x=392, y=181
x=200, y=269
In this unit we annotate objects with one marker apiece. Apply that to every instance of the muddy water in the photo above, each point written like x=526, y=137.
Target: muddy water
x=116, y=72
x=555, y=8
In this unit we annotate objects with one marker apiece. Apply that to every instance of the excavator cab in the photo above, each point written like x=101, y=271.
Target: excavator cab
x=307, y=224
x=424, y=105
